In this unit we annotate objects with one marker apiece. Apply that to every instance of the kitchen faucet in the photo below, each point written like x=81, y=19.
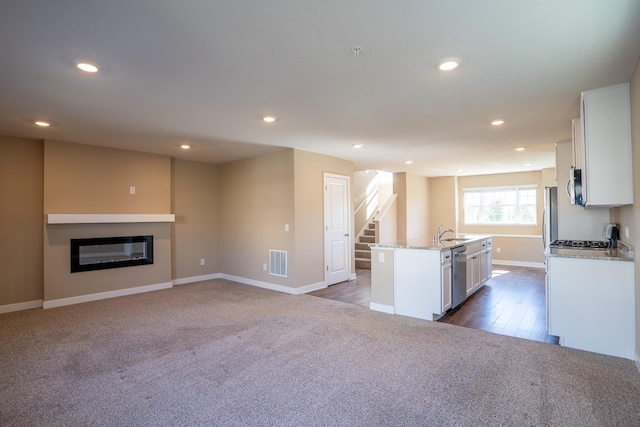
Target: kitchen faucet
x=441, y=233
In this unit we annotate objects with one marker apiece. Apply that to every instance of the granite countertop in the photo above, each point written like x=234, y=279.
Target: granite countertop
x=622, y=253
x=429, y=244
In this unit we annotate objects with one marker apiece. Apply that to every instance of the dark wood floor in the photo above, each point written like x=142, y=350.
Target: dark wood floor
x=354, y=292
x=511, y=303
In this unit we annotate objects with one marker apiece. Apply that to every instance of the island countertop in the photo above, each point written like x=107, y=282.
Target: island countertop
x=429, y=244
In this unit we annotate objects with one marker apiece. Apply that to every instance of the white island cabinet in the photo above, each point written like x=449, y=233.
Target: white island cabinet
x=590, y=304
x=418, y=278
x=415, y=278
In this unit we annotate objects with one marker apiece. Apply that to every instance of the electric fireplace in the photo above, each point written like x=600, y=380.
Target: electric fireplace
x=110, y=252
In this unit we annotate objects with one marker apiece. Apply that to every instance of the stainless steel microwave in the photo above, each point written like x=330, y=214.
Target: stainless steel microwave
x=574, y=187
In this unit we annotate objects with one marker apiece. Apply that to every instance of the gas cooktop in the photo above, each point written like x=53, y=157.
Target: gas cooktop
x=580, y=244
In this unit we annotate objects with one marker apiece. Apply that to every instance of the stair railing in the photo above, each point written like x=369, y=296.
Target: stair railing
x=363, y=213
x=386, y=221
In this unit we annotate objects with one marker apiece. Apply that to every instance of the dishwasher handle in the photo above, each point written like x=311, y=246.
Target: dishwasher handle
x=460, y=254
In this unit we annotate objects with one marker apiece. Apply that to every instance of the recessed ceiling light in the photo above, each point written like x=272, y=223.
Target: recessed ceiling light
x=497, y=122
x=448, y=64
x=185, y=146
x=409, y=162
x=519, y=149
x=459, y=170
x=269, y=119
x=42, y=123
x=527, y=164
x=89, y=68
x=357, y=145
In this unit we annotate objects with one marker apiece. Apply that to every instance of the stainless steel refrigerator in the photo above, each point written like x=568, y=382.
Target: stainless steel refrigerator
x=550, y=216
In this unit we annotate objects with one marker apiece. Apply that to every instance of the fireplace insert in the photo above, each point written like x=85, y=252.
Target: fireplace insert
x=110, y=252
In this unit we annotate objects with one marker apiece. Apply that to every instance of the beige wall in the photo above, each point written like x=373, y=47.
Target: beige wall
x=195, y=203
x=413, y=205
x=85, y=179
x=382, y=277
x=361, y=185
x=385, y=191
x=309, y=169
x=400, y=188
x=630, y=215
x=95, y=180
x=417, y=206
x=257, y=200
x=442, y=204
x=21, y=236
x=387, y=224
x=518, y=250
x=549, y=178
x=230, y=215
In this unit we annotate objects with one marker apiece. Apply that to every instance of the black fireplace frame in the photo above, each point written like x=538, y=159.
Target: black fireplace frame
x=76, y=267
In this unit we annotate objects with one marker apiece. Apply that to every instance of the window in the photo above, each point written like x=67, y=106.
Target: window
x=500, y=205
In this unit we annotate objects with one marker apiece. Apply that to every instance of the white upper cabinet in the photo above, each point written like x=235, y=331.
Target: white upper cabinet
x=602, y=146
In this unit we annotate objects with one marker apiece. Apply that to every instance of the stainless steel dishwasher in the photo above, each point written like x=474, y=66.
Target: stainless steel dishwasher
x=459, y=286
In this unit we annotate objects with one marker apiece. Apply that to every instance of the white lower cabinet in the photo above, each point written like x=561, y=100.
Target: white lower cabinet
x=488, y=260
x=471, y=267
x=482, y=267
x=445, y=281
x=590, y=304
x=479, y=267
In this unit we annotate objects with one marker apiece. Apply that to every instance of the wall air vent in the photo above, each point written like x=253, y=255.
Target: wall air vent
x=278, y=263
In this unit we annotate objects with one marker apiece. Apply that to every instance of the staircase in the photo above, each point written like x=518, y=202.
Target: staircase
x=363, y=249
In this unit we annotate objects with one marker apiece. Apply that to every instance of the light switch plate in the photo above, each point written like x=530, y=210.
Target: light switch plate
x=381, y=256
x=626, y=232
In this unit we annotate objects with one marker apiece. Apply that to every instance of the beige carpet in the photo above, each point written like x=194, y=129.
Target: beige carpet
x=221, y=353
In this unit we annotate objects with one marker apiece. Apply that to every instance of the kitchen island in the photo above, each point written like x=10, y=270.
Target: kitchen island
x=591, y=299
x=415, y=277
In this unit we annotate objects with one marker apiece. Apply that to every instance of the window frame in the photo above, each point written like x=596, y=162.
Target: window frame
x=518, y=205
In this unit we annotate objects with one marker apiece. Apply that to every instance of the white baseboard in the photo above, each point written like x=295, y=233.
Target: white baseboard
x=636, y=360
x=260, y=284
x=310, y=288
x=352, y=276
x=389, y=309
x=105, y=295
x=519, y=263
x=251, y=282
x=28, y=305
x=194, y=279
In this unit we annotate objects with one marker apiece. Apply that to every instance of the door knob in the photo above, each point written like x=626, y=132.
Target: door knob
x=346, y=234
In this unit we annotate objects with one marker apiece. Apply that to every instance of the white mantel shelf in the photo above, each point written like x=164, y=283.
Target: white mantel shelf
x=108, y=218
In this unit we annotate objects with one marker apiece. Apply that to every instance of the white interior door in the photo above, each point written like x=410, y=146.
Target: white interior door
x=337, y=228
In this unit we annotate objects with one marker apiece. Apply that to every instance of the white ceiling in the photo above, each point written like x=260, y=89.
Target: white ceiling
x=205, y=72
